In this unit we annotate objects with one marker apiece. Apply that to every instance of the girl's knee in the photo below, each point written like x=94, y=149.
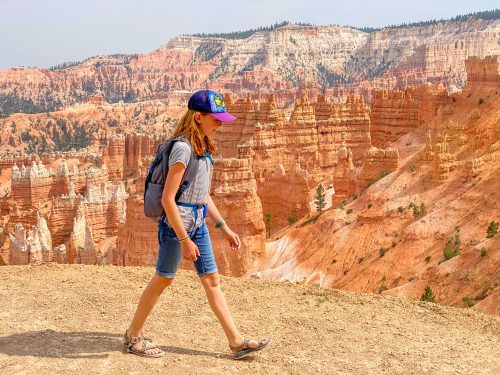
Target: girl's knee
x=160, y=282
x=211, y=280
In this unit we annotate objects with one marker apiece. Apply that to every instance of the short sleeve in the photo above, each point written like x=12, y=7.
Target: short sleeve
x=181, y=152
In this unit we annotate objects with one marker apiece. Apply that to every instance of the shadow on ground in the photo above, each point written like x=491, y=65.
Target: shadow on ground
x=53, y=344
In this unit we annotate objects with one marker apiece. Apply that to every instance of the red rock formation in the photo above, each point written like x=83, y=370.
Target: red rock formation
x=235, y=194
x=483, y=74
x=396, y=231
x=137, y=243
x=344, y=177
x=378, y=163
x=267, y=61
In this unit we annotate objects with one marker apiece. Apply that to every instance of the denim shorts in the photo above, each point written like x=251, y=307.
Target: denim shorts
x=170, y=253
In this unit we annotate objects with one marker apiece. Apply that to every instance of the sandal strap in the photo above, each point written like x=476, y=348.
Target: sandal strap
x=126, y=340
x=241, y=347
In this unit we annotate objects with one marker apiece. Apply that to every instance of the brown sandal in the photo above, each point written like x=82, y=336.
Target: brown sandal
x=243, y=350
x=146, y=345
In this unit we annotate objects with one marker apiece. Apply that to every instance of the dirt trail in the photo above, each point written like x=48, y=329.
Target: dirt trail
x=68, y=319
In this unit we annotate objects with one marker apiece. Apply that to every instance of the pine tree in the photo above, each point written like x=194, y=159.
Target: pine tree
x=319, y=198
x=269, y=222
x=428, y=295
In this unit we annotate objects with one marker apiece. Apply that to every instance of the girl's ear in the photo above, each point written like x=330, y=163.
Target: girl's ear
x=197, y=118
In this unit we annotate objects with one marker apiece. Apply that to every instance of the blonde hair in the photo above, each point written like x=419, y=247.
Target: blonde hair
x=188, y=128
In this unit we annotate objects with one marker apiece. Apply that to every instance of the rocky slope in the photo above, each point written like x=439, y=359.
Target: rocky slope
x=424, y=224
x=280, y=60
x=435, y=149
x=79, y=313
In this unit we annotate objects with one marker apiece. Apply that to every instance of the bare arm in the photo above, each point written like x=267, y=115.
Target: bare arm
x=231, y=237
x=174, y=177
x=213, y=212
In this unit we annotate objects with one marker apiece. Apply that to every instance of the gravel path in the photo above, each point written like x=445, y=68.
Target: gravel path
x=67, y=319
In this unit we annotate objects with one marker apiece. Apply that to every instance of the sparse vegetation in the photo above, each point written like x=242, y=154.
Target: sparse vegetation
x=481, y=101
x=484, y=252
x=428, y=295
x=382, y=251
x=291, y=219
x=349, y=211
x=309, y=221
x=382, y=288
x=269, y=222
x=469, y=301
x=360, y=260
x=393, y=244
x=412, y=168
x=319, y=198
x=452, y=247
x=492, y=229
x=401, y=209
x=247, y=33
x=417, y=209
x=428, y=259
x=370, y=205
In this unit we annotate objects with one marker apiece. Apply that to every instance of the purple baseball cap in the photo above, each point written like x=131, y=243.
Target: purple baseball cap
x=211, y=102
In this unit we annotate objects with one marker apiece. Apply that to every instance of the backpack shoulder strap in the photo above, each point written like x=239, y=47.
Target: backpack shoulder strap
x=191, y=170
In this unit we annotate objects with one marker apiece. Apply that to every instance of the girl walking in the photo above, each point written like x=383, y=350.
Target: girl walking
x=182, y=232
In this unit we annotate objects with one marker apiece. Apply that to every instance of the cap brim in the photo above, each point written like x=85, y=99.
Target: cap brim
x=224, y=116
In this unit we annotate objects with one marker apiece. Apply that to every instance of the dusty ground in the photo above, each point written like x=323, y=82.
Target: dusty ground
x=69, y=319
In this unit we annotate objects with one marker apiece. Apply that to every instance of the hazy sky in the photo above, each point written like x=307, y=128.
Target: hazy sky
x=45, y=33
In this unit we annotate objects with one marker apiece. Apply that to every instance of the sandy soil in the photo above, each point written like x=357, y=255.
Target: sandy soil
x=68, y=319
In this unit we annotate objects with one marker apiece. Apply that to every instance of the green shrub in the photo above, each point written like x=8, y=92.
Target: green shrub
x=349, y=211
x=393, y=243
x=382, y=288
x=401, y=209
x=481, y=100
x=492, y=229
x=452, y=247
x=484, y=252
x=382, y=251
x=370, y=205
x=469, y=301
x=360, y=260
x=428, y=295
x=309, y=221
x=428, y=259
x=417, y=209
x=291, y=219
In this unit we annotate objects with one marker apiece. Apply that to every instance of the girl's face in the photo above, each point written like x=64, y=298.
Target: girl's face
x=207, y=124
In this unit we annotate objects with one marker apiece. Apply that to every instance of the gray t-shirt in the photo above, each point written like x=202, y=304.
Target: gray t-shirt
x=198, y=189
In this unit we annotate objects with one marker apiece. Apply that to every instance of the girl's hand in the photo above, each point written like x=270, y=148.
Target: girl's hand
x=189, y=250
x=231, y=237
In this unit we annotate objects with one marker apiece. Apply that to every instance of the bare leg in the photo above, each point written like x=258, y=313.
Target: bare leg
x=146, y=303
x=211, y=284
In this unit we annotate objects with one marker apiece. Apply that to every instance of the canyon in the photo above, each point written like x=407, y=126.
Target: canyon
x=406, y=136
x=283, y=60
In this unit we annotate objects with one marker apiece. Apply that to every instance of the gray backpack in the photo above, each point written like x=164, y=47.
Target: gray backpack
x=155, y=180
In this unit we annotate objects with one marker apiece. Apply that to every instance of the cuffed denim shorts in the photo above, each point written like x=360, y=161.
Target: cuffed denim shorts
x=170, y=252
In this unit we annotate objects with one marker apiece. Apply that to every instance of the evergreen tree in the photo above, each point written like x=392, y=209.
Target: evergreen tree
x=319, y=198
x=269, y=222
x=428, y=295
